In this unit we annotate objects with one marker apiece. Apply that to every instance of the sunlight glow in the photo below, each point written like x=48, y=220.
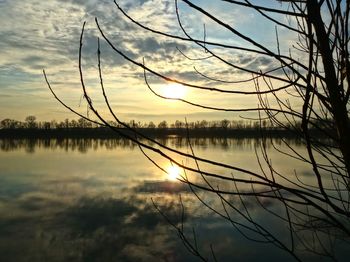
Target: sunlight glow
x=174, y=90
x=173, y=172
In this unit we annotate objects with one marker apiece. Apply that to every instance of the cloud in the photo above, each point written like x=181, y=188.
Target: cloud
x=45, y=35
x=88, y=229
x=88, y=215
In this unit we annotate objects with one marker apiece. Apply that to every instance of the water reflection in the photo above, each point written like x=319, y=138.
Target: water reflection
x=84, y=144
x=169, y=187
x=174, y=172
x=92, y=229
x=90, y=200
x=81, y=145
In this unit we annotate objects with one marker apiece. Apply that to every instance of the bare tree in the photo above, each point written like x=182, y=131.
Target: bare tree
x=312, y=73
x=30, y=122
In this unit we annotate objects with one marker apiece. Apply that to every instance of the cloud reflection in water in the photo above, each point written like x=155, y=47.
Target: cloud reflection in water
x=66, y=202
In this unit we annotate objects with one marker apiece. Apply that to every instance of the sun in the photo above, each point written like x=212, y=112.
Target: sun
x=173, y=172
x=174, y=90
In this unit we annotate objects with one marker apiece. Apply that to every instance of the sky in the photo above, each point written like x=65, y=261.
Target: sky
x=37, y=35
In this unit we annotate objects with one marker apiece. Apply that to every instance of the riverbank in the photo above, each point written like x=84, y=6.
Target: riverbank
x=150, y=132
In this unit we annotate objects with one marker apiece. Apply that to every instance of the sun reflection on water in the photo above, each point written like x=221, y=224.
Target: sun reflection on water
x=173, y=172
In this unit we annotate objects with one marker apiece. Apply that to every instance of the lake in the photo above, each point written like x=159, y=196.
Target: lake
x=96, y=199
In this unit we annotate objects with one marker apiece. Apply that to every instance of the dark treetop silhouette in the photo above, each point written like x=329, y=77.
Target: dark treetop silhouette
x=315, y=73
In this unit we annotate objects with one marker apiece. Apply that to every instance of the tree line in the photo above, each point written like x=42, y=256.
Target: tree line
x=31, y=122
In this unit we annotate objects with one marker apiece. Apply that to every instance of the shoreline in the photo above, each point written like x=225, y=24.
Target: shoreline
x=150, y=132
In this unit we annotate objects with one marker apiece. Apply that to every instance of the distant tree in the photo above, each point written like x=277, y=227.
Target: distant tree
x=203, y=124
x=73, y=124
x=240, y=124
x=31, y=122
x=151, y=125
x=163, y=124
x=46, y=125
x=60, y=125
x=190, y=125
x=83, y=123
x=8, y=123
x=225, y=123
x=256, y=125
x=214, y=124
x=53, y=124
x=66, y=123
x=133, y=124
x=179, y=124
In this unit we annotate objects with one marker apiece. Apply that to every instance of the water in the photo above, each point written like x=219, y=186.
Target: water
x=95, y=200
